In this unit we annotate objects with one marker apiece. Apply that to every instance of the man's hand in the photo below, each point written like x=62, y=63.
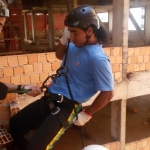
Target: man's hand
x=35, y=90
x=83, y=118
x=65, y=37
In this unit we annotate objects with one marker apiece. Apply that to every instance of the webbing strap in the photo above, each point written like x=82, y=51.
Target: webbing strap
x=58, y=113
x=62, y=130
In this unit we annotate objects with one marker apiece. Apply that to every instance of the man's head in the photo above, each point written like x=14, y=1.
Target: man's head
x=82, y=23
x=85, y=27
x=82, y=17
x=4, y=13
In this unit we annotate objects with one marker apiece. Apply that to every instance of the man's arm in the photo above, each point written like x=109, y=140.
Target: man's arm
x=62, y=46
x=60, y=51
x=34, y=90
x=84, y=116
x=101, y=100
x=11, y=87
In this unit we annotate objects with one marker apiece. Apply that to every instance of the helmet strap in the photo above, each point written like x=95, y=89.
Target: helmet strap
x=87, y=38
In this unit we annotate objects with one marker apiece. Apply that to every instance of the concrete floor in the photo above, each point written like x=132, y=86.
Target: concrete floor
x=98, y=129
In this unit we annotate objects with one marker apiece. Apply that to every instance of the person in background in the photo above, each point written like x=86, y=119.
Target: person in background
x=85, y=70
x=4, y=87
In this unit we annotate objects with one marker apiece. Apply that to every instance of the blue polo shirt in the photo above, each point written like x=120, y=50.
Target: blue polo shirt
x=89, y=71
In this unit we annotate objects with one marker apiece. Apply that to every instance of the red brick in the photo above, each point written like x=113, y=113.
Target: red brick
x=137, y=51
x=148, y=49
x=118, y=59
x=107, y=146
x=128, y=147
x=144, y=142
x=138, y=144
x=148, y=66
x=5, y=80
x=117, y=51
x=148, y=141
x=55, y=66
x=146, y=58
x=9, y=97
x=51, y=57
x=140, y=59
x=120, y=67
x=42, y=57
x=35, y=78
x=130, y=51
x=28, y=69
x=1, y=73
x=43, y=76
x=112, y=59
x=146, y=148
x=133, y=146
x=129, y=60
x=136, y=67
x=134, y=59
x=8, y=72
x=37, y=68
x=32, y=58
x=25, y=79
x=4, y=61
x=58, y=60
x=22, y=59
x=107, y=51
x=113, y=146
x=130, y=68
x=118, y=76
x=47, y=67
x=142, y=67
x=52, y=73
x=118, y=145
x=143, y=50
x=18, y=70
x=13, y=60
x=115, y=68
x=15, y=80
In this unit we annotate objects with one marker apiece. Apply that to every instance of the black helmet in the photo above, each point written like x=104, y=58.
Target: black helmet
x=82, y=17
x=4, y=11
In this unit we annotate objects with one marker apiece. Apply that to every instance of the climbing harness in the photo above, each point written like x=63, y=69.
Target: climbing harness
x=62, y=71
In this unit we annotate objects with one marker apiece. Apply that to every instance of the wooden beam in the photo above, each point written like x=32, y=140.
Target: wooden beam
x=139, y=3
x=138, y=29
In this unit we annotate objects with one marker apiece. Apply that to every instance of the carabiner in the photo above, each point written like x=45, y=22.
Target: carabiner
x=62, y=71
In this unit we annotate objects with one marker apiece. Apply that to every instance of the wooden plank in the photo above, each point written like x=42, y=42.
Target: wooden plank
x=138, y=29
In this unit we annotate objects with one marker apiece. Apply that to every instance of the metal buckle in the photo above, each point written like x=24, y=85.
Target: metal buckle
x=56, y=112
x=61, y=98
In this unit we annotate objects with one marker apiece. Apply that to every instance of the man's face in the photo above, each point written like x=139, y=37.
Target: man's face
x=77, y=36
x=2, y=22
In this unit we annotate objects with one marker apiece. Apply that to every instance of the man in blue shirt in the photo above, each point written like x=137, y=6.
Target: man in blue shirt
x=88, y=71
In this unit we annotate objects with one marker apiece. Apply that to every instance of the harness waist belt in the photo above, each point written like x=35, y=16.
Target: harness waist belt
x=59, y=98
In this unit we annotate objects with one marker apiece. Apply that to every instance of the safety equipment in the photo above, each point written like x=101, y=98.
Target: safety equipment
x=4, y=11
x=95, y=147
x=82, y=17
x=3, y=91
x=82, y=119
x=65, y=37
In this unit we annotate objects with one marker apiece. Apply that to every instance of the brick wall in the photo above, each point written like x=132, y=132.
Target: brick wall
x=24, y=69
x=112, y=146
x=143, y=144
x=34, y=68
x=138, y=59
